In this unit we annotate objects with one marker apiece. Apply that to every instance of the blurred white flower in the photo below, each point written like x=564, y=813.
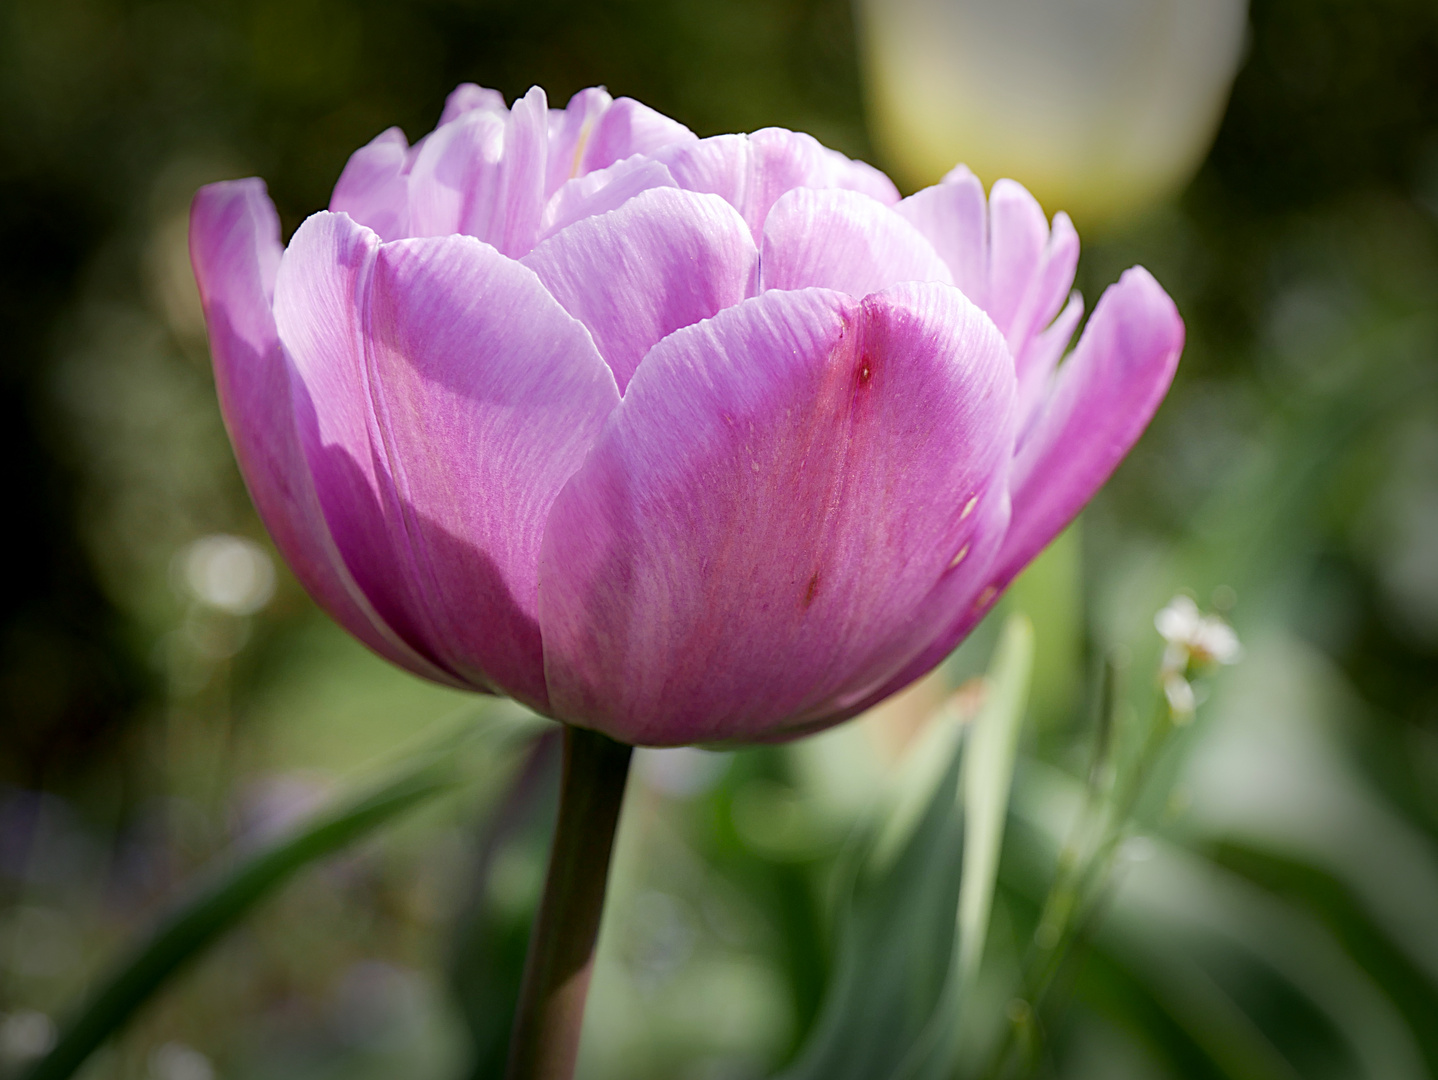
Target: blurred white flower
x=1099, y=107
x=1193, y=637
x=1195, y=640
x=228, y=573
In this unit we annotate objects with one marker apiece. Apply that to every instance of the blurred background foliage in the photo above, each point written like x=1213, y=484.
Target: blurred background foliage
x=167, y=691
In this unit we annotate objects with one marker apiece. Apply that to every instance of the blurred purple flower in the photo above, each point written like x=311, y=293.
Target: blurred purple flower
x=687, y=440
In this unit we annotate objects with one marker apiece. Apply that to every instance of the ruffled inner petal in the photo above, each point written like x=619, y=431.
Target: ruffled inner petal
x=662, y=261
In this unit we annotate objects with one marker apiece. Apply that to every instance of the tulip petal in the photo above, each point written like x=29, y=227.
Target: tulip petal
x=843, y=240
x=1004, y=257
x=751, y=172
x=627, y=128
x=483, y=174
x=451, y=399
x=601, y=191
x=953, y=216
x=373, y=189
x=1041, y=353
x=663, y=260
x=569, y=132
x=466, y=97
x=852, y=175
x=235, y=248
x=1048, y=286
x=782, y=488
x=447, y=162
x=1102, y=399
x=1018, y=233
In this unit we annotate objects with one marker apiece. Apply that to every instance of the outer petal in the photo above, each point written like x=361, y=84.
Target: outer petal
x=451, y=399
x=235, y=249
x=373, y=189
x=843, y=240
x=1106, y=394
x=1101, y=402
x=750, y=172
x=780, y=492
x=663, y=260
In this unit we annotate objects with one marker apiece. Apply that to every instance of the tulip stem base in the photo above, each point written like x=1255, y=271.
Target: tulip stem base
x=545, y=1040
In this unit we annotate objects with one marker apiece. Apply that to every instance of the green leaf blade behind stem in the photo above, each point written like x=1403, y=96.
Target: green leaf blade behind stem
x=985, y=781
x=916, y=894
x=232, y=893
x=988, y=773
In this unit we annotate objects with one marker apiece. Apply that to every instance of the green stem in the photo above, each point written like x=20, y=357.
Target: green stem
x=547, y=1022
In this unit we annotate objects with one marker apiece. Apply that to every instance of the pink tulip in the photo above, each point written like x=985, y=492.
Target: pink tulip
x=679, y=439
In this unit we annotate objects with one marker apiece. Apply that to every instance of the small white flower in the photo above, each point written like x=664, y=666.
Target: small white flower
x=1194, y=638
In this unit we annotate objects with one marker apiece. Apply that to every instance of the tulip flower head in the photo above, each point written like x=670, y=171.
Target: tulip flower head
x=683, y=440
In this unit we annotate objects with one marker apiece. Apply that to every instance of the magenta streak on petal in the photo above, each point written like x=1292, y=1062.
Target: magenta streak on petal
x=450, y=399
x=843, y=240
x=783, y=488
x=235, y=249
x=663, y=260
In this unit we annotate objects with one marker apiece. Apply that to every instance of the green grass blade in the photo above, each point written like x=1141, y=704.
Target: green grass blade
x=230, y=895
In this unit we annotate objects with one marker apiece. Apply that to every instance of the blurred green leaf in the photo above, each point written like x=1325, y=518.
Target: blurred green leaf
x=234, y=891
x=987, y=776
x=905, y=958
